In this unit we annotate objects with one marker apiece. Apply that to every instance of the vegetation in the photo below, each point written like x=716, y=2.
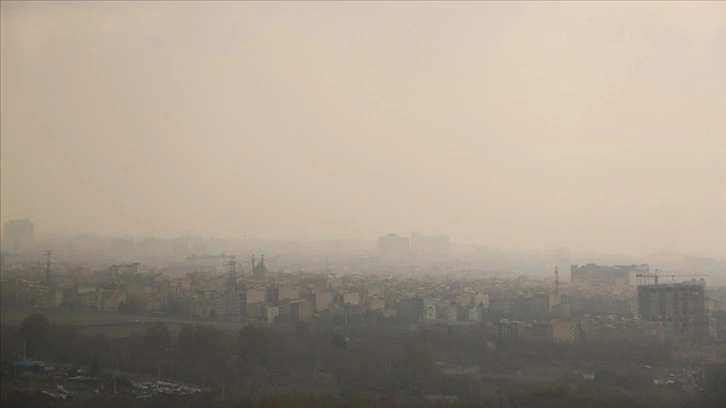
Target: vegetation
x=373, y=366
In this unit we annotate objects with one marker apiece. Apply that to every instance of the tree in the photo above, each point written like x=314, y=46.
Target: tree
x=35, y=329
x=257, y=345
x=157, y=337
x=338, y=342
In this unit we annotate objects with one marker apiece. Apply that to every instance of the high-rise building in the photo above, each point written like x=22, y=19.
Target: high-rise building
x=19, y=235
x=429, y=244
x=680, y=306
x=393, y=244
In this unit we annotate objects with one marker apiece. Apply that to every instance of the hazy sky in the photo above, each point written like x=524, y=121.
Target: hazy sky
x=519, y=125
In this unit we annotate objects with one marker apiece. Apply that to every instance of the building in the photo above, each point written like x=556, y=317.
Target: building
x=480, y=299
x=563, y=331
x=430, y=308
x=614, y=329
x=561, y=310
x=270, y=313
x=376, y=304
x=351, y=298
x=322, y=301
x=592, y=275
x=108, y=300
x=272, y=294
x=259, y=270
x=393, y=245
x=410, y=309
x=455, y=313
x=681, y=307
x=429, y=244
x=19, y=235
x=296, y=310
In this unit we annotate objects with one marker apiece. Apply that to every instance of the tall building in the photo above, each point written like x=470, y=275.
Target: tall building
x=393, y=244
x=19, y=235
x=429, y=244
x=680, y=306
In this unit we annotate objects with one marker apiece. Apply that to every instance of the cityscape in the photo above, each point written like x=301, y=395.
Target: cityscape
x=419, y=290
x=334, y=204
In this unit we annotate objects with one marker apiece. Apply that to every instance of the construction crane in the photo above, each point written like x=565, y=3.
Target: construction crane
x=655, y=276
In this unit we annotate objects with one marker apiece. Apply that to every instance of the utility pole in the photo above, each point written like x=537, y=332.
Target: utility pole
x=48, y=254
x=557, y=285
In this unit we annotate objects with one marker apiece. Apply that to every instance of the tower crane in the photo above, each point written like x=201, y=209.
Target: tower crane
x=655, y=275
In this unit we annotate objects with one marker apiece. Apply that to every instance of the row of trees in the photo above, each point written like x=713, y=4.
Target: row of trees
x=372, y=359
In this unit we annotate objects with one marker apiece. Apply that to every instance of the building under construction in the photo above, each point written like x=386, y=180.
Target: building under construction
x=680, y=306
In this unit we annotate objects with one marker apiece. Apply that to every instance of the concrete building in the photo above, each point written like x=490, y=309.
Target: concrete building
x=430, y=306
x=612, y=329
x=563, y=331
x=351, y=298
x=270, y=313
x=476, y=312
x=272, y=294
x=681, y=307
x=411, y=309
x=429, y=244
x=480, y=299
x=108, y=300
x=376, y=304
x=322, y=301
x=19, y=236
x=455, y=313
x=561, y=310
x=296, y=310
x=288, y=292
x=393, y=245
x=255, y=295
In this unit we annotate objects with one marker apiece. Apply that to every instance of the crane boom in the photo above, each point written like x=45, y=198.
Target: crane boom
x=655, y=276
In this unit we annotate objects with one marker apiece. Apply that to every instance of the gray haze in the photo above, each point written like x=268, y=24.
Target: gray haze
x=522, y=125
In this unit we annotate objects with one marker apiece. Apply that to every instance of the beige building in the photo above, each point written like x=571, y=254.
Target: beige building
x=323, y=300
x=563, y=331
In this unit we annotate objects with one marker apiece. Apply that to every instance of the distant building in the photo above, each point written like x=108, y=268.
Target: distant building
x=480, y=299
x=270, y=313
x=322, y=301
x=429, y=244
x=537, y=331
x=681, y=307
x=563, y=331
x=430, y=306
x=476, y=312
x=393, y=245
x=272, y=294
x=561, y=310
x=592, y=275
x=19, y=235
x=297, y=310
x=411, y=309
x=259, y=270
x=351, y=298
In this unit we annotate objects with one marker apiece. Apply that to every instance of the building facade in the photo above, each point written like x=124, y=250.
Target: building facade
x=681, y=307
